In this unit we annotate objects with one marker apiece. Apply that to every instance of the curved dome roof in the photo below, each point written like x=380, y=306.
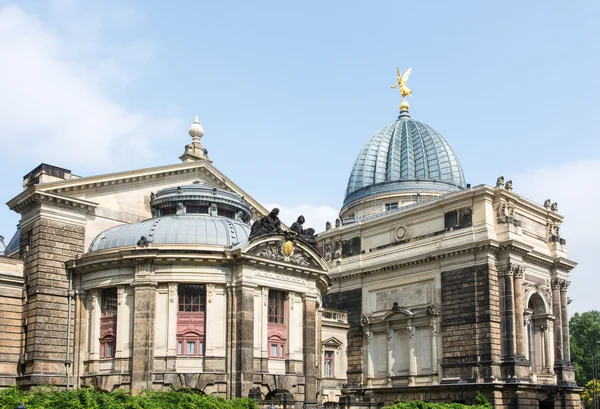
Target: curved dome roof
x=405, y=156
x=189, y=214
x=198, y=229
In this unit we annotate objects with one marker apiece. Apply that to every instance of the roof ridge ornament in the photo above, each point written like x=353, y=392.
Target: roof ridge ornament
x=404, y=91
x=195, y=151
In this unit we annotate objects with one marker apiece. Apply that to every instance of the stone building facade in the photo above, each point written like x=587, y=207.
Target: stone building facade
x=424, y=288
x=147, y=279
x=449, y=289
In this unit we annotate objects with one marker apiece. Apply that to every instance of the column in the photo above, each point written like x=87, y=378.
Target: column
x=121, y=321
x=519, y=321
x=565, y=321
x=172, y=308
x=548, y=347
x=80, y=337
x=309, y=332
x=412, y=363
x=390, y=351
x=434, y=345
x=94, y=322
x=558, y=342
x=509, y=317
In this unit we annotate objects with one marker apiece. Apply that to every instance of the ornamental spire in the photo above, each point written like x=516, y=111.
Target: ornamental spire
x=404, y=90
x=195, y=151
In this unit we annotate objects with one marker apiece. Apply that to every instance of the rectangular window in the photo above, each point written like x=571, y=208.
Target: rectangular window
x=328, y=364
x=192, y=297
x=277, y=350
x=190, y=348
x=108, y=322
x=391, y=206
x=276, y=306
x=179, y=347
x=109, y=302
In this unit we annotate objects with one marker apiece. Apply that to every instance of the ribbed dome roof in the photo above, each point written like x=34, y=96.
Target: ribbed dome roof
x=405, y=156
x=198, y=229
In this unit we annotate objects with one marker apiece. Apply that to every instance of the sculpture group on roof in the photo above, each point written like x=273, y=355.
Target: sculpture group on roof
x=271, y=225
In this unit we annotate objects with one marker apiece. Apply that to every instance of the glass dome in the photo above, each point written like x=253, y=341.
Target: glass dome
x=404, y=156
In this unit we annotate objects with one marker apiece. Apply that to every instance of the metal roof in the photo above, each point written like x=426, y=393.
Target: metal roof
x=200, y=229
x=408, y=153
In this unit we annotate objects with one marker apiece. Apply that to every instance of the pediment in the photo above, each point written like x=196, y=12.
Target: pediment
x=397, y=313
x=332, y=342
x=139, y=182
x=270, y=248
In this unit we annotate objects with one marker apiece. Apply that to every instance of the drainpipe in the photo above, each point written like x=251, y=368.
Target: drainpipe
x=70, y=301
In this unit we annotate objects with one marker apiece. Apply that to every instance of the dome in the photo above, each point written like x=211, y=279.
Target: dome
x=197, y=229
x=406, y=156
x=196, y=214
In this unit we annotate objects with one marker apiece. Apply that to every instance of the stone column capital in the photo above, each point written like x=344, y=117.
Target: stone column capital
x=511, y=269
x=556, y=283
x=564, y=285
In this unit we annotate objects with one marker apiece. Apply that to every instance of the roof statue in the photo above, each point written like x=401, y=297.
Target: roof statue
x=404, y=90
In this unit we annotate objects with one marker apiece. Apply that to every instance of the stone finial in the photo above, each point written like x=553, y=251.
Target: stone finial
x=195, y=151
x=327, y=226
x=196, y=130
x=554, y=207
x=547, y=204
x=508, y=186
x=500, y=182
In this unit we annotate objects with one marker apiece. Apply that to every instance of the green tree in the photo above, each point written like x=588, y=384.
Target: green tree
x=587, y=397
x=585, y=331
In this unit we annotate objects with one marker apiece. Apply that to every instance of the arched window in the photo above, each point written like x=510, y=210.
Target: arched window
x=539, y=341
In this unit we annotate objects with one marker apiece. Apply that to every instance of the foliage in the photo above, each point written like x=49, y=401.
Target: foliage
x=587, y=397
x=50, y=398
x=482, y=403
x=584, y=331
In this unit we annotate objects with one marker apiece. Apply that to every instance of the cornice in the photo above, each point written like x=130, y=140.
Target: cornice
x=34, y=195
x=488, y=245
x=118, y=178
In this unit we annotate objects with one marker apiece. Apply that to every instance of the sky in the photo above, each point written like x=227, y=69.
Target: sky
x=288, y=92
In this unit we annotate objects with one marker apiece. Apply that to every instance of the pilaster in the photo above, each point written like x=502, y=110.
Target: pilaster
x=144, y=300
x=310, y=350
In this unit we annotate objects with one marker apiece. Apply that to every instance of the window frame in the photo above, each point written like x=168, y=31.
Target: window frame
x=187, y=298
x=277, y=301
x=328, y=360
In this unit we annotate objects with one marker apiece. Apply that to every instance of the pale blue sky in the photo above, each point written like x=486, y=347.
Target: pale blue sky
x=289, y=92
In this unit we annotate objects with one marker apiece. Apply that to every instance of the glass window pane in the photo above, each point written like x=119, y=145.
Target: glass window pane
x=282, y=351
x=180, y=347
x=201, y=351
x=273, y=350
x=191, y=348
x=110, y=350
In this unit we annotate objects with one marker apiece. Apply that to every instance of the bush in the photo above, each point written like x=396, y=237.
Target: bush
x=46, y=397
x=482, y=403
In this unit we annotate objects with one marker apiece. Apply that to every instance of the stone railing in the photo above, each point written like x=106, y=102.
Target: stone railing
x=337, y=316
x=544, y=378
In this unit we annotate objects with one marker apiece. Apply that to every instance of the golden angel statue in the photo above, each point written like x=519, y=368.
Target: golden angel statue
x=401, y=83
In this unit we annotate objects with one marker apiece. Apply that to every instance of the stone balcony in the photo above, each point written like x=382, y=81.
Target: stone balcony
x=335, y=316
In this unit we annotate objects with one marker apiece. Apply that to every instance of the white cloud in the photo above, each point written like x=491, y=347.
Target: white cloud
x=55, y=103
x=576, y=188
x=316, y=215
